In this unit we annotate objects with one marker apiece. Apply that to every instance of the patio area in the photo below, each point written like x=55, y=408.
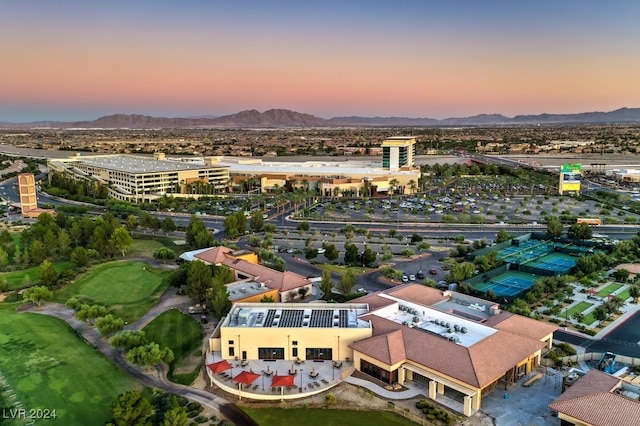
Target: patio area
x=275, y=379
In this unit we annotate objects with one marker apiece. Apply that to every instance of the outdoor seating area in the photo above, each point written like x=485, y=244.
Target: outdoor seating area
x=274, y=378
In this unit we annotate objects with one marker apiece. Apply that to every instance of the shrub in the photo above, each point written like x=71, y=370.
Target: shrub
x=330, y=399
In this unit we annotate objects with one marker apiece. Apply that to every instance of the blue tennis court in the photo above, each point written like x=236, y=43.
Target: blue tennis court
x=510, y=283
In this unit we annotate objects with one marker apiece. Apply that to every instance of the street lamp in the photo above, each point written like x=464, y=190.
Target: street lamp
x=301, y=378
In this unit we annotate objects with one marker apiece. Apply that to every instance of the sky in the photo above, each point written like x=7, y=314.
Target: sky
x=76, y=60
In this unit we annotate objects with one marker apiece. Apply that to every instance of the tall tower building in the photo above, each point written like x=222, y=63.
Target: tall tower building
x=28, y=198
x=398, y=151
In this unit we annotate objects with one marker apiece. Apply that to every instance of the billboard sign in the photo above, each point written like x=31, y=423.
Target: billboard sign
x=570, y=175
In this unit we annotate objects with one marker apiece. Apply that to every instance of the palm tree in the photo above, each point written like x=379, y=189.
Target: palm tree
x=413, y=186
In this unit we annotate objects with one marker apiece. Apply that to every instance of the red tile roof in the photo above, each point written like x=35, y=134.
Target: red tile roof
x=418, y=293
x=282, y=281
x=477, y=365
x=592, y=400
x=522, y=326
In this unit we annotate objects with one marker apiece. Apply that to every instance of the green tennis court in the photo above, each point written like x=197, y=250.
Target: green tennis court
x=510, y=284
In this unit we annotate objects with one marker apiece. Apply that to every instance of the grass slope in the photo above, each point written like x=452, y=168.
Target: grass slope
x=48, y=366
x=128, y=289
x=15, y=279
x=179, y=332
x=323, y=417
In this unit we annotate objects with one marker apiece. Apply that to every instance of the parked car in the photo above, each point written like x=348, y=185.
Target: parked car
x=433, y=271
x=412, y=277
x=420, y=275
x=405, y=278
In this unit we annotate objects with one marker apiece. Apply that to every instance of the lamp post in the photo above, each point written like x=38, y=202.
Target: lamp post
x=301, y=377
x=262, y=375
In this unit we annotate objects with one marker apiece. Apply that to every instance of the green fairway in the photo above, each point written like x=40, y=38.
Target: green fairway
x=129, y=289
x=323, y=417
x=609, y=289
x=48, y=366
x=182, y=334
x=576, y=309
x=16, y=279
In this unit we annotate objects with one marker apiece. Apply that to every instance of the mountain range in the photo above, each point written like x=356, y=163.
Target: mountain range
x=275, y=118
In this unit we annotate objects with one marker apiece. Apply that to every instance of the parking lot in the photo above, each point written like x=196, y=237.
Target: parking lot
x=469, y=208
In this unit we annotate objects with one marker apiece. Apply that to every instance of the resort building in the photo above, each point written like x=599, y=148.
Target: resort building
x=398, y=152
x=448, y=342
x=139, y=179
x=599, y=399
x=253, y=282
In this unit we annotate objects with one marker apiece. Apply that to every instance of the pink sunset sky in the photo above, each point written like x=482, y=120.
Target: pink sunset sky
x=75, y=60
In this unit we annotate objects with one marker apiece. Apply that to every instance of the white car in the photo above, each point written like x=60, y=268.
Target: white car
x=412, y=277
x=321, y=250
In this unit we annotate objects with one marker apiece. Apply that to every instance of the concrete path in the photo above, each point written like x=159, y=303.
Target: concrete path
x=406, y=394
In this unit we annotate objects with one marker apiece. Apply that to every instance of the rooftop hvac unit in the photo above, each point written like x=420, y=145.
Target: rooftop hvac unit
x=463, y=330
x=456, y=328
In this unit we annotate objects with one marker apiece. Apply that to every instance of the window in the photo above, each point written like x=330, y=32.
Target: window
x=231, y=342
x=232, y=352
x=294, y=343
x=319, y=354
x=294, y=352
x=270, y=353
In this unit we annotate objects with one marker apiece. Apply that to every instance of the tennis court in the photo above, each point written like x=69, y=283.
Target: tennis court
x=556, y=262
x=510, y=283
x=525, y=251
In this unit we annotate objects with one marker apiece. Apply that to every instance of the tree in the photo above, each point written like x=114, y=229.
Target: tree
x=257, y=221
x=38, y=251
x=89, y=313
x=47, y=274
x=503, y=236
x=64, y=242
x=164, y=254
x=621, y=275
x=149, y=355
x=600, y=313
x=128, y=339
x=4, y=285
x=121, y=240
x=109, y=324
x=176, y=416
x=168, y=225
x=634, y=293
x=131, y=409
x=330, y=252
x=37, y=295
x=326, y=284
x=218, y=300
x=195, y=227
x=80, y=257
x=368, y=257
x=132, y=223
x=580, y=231
x=351, y=254
x=554, y=227
x=4, y=258
x=198, y=281
x=235, y=224
x=347, y=282
x=311, y=253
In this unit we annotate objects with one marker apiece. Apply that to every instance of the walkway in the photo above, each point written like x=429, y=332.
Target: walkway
x=157, y=380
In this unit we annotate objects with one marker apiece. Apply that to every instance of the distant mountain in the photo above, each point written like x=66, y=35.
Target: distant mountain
x=287, y=118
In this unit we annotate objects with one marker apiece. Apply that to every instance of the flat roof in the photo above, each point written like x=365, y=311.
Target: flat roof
x=134, y=164
x=450, y=327
x=243, y=289
x=297, y=315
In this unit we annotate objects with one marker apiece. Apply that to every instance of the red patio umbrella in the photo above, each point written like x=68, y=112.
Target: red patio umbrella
x=282, y=381
x=220, y=366
x=245, y=377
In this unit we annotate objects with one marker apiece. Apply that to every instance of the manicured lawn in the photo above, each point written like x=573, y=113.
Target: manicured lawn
x=128, y=289
x=323, y=417
x=16, y=279
x=576, y=309
x=179, y=332
x=48, y=366
x=609, y=289
x=624, y=295
x=589, y=319
x=145, y=245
